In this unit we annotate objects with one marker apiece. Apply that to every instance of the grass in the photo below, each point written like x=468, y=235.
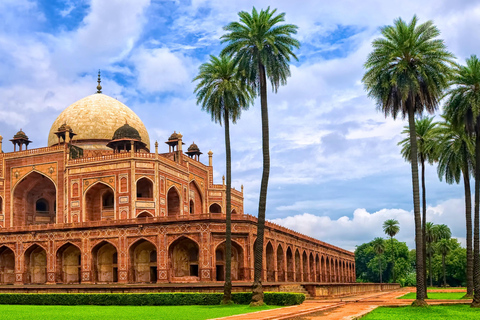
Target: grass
x=22, y=312
x=458, y=311
x=447, y=288
x=436, y=295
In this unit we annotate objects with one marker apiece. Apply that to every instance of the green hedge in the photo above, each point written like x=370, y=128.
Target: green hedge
x=145, y=299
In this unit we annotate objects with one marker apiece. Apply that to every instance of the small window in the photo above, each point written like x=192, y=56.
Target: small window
x=108, y=200
x=41, y=205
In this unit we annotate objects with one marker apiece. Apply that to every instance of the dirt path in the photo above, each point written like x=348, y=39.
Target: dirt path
x=344, y=308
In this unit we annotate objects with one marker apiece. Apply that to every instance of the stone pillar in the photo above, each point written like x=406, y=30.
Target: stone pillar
x=87, y=261
x=50, y=262
x=162, y=257
x=122, y=260
x=205, y=259
x=19, y=264
x=210, y=156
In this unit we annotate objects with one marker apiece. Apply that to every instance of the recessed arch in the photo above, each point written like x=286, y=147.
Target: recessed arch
x=234, y=212
x=290, y=265
x=215, y=208
x=311, y=262
x=7, y=265
x=69, y=263
x=328, y=270
x=35, y=264
x=280, y=264
x=26, y=193
x=195, y=195
x=298, y=269
x=237, y=268
x=317, y=269
x=143, y=261
x=144, y=214
x=184, y=257
x=99, y=202
x=144, y=188
x=173, y=201
x=270, y=262
x=305, y=266
x=105, y=262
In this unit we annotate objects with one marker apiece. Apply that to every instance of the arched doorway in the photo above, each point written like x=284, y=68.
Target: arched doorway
x=196, y=201
x=183, y=254
x=280, y=264
x=99, y=203
x=34, y=200
x=323, y=277
x=318, y=273
x=173, y=202
x=1, y=205
x=143, y=262
x=7, y=265
x=290, y=266
x=35, y=265
x=270, y=262
x=312, y=268
x=145, y=189
x=237, y=262
x=69, y=264
x=145, y=214
x=298, y=270
x=328, y=271
x=215, y=208
x=305, y=266
x=105, y=263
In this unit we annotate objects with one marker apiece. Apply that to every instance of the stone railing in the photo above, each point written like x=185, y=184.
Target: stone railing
x=30, y=152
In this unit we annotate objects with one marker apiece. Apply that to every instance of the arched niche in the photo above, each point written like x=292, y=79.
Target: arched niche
x=99, y=203
x=35, y=265
x=196, y=200
x=184, y=254
x=143, y=262
x=237, y=269
x=69, y=264
x=34, y=189
x=145, y=214
x=215, y=208
x=290, y=266
x=145, y=189
x=280, y=264
x=105, y=263
x=234, y=212
x=318, y=270
x=311, y=261
x=173, y=202
x=1, y=205
x=7, y=265
x=270, y=262
x=328, y=270
x=305, y=266
x=298, y=270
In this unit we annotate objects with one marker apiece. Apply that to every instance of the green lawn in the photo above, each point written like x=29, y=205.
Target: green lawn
x=19, y=312
x=436, y=295
x=457, y=311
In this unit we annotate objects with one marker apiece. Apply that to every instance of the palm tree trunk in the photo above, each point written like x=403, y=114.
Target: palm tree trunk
x=468, y=218
x=420, y=301
x=257, y=296
x=476, y=243
x=444, y=277
x=393, y=259
x=424, y=228
x=227, y=293
x=430, y=268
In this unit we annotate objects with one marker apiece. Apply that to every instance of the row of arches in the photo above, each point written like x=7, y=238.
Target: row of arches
x=301, y=266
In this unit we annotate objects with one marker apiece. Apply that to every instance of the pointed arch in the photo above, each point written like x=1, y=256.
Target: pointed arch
x=237, y=270
x=99, y=199
x=196, y=198
x=35, y=264
x=27, y=191
x=270, y=262
x=7, y=265
x=144, y=214
x=142, y=261
x=305, y=266
x=323, y=276
x=215, y=208
x=234, y=212
x=311, y=261
x=184, y=257
x=173, y=202
x=298, y=270
x=69, y=263
x=280, y=264
x=105, y=262
x=290, y=265
x=144, y=188
x=318, y=272
x=328, y=270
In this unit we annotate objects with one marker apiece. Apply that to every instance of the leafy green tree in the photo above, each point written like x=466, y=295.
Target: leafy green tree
x=455, y=265
x=224, y=95
x=426, y=131
x=407, y=73
x=391, y=228
x=379, y=248
x=455, y=160
x=430, y=238
x=444, y=248
x=262, y=48
x=463, y=106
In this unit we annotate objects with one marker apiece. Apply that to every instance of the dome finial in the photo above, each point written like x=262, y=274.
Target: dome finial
x=99, y=87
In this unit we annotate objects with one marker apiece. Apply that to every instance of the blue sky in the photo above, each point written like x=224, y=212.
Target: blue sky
x=336, y=169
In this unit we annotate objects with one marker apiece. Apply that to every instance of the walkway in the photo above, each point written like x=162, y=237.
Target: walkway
x=341, y=308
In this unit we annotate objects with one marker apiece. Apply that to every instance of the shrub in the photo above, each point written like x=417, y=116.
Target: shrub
x=145, y=299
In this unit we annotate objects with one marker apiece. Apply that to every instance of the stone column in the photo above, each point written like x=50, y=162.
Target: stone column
x=162, y=257
x=19, y=264
x=50, y=262
x=87, y=261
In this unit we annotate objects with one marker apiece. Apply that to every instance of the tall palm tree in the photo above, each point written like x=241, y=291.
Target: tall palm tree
x=262, y=47
x=431, y=236
x=224, y=95
x=425, y=129
x=463, y=106
x=455, y=160
x=379, y=247
x=407, y=72
x=391, y=228
x=444, y=248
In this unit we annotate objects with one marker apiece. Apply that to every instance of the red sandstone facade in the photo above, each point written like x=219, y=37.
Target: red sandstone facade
x=138, y=217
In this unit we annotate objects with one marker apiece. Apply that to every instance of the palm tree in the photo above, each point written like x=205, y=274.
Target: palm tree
x=443, y=247
x=379, y=247
x=223, y=94
x=391, y=228
x=455, y=160
x=463, y=107
x=407, y=72
x=426, y=143
x=263, y=49
x=431, y=236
